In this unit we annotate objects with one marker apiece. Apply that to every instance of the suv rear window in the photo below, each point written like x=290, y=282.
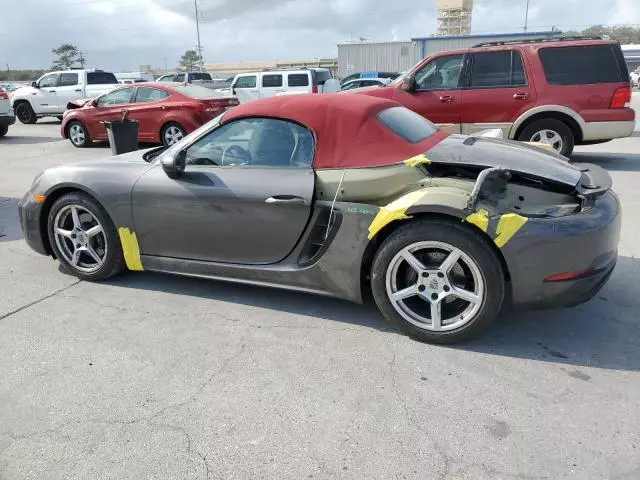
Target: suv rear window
x=583, y=65
x=101, y=78
x=298, y=80
x=407, y=124
x=200, y=76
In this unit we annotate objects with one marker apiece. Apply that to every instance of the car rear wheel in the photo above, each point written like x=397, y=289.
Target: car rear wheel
x=437, y=281
x=550, y=131
x=84, y=238
x=78, y=134
x=172, y=133
x=3, y=130
x=25, y=113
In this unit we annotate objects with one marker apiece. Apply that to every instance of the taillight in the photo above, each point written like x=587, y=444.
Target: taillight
x=621, y=98
x=4, y=95
x=314, y=89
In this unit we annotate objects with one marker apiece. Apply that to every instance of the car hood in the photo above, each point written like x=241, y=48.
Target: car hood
x=534, y=162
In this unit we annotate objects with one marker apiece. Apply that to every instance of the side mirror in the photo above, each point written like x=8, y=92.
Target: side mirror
x=174, y=165
x=34, y=84
x=408, y=83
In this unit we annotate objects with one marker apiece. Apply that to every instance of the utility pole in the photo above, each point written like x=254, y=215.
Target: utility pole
x=526, y=17
x=195, y=3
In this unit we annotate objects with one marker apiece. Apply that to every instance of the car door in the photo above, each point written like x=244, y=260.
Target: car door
x=109, y=107
x=497, y=92
x=147, y=108
x=436, y=93
x=68, y=89
x=245, y=196
x=245, y=88
x=271, y=85
x=45, y=101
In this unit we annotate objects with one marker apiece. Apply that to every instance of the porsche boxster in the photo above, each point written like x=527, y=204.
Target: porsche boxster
x=341, y=195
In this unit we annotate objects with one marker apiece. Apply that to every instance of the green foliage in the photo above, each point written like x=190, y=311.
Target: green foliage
x=67, y=56
x=621, y=33
x=189, y=61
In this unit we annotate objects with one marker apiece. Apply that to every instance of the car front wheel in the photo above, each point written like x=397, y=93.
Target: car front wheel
x=172, y=133
x=437, y=281
x=84, y=238
x=25, y=113
x=78, y=134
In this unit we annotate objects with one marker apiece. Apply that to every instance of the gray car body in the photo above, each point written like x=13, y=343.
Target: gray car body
x=335, y=260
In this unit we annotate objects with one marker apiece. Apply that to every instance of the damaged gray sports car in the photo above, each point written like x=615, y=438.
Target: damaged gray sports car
x=341, y=195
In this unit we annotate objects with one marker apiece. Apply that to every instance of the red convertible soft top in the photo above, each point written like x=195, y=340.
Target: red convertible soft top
x=348, y=134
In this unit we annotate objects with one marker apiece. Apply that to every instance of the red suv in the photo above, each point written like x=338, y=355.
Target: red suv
x=560, y=92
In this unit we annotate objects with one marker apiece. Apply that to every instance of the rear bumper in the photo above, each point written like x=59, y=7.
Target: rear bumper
x=585, y=242
x=29, y=211
x=607, y=130
x=7, y=119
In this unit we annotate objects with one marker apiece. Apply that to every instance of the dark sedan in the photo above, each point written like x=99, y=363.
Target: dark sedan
x=339, y=195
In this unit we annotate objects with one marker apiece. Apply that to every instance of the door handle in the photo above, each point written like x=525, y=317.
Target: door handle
x=288, y=199
x=521, y=96
x=447, y=99
x=78, y=90
x=52, y=91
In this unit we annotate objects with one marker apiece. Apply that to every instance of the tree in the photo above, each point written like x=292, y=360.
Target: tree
x=67, y=55
x=189, y=60
x=621, y=33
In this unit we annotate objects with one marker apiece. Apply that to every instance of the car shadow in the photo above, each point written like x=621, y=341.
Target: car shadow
x=602, y=333
x=627, y=162
x=9, y=222
x=10, y=139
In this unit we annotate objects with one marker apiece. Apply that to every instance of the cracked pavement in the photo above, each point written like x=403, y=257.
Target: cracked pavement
x=159, y=377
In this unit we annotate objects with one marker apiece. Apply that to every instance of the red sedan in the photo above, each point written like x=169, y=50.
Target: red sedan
x=165, y=113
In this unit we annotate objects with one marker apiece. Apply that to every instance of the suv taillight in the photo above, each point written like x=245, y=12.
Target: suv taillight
x=621, y=98
x=314, y=89
x=4, y=95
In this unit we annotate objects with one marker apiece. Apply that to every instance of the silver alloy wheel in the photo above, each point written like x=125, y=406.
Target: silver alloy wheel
x=548, y=137
x=435, y=286
x=172, y=134
x=77, y=134
x=80, y=238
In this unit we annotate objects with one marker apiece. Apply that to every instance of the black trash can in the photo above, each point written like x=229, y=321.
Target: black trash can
x=123, y=136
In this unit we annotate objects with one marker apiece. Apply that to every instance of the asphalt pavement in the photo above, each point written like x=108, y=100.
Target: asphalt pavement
x=151, y=376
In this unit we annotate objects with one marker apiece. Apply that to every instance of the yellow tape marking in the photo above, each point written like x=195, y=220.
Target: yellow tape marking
x=508, y=226
x=417, y=160
x=394, y=211
x=480, y=219
x=130, y=248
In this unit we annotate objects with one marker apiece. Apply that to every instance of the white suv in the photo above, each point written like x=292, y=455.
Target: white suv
x=6, y=113
x=256, y=85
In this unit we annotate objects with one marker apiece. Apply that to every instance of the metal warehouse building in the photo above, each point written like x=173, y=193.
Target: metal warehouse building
x=401, y=56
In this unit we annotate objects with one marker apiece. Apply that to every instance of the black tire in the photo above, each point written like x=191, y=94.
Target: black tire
x=554, y=125
x=164, y=130
x=114, y=258
x=86, y=139
x=25, y=113
x=3, y=130
x=457, y=235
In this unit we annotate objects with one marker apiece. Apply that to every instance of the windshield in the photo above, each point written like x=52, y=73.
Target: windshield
x=173, y=149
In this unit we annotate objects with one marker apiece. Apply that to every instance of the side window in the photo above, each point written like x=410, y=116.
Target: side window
x=179, y=77
x=370, y=83
x=262, y=142
x=298, y=80
x=581, y=65
x=351, y=85
x=116, y=97
x=148, y=94
x=68, y=79
x=48, y=81
x=442, y=73
x=246, y=82
x=272, y=80
x=497, y=69
x=166, y=78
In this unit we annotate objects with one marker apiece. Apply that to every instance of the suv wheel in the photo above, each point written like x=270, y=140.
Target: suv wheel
x=3, y=130
x=550, y=131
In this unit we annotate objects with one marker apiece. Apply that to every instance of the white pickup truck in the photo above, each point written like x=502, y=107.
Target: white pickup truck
x=50, y=94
